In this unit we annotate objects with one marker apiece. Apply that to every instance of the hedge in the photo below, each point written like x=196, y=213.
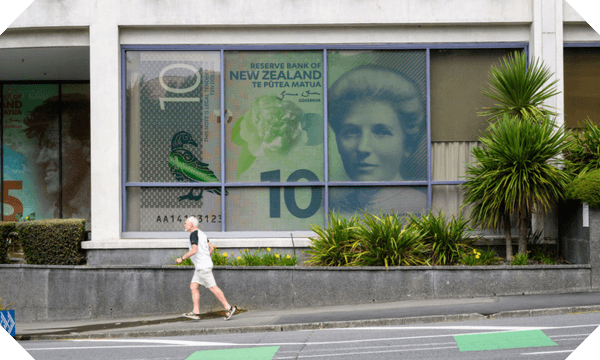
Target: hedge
x=6, y=227
x=586, y=188
x=52, y=242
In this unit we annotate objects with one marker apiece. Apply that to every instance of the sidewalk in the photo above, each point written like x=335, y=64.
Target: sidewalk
x=397, y=313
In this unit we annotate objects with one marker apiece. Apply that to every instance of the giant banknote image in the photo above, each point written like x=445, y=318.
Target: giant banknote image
x=274, y=103
x=173, y=136
x=378, y=118
x=46, y=171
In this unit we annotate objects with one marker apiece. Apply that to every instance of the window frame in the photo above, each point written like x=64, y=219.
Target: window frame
x=326, y=184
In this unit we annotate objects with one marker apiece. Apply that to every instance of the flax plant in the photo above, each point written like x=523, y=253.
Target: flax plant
x=385, y=241
x=520, y=89
x=517, y=171
x=333, y=244
x=448, y=239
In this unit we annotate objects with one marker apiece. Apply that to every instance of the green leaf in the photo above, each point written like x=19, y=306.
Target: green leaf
x=245, y=160
x=235, y=133
x=519, y=88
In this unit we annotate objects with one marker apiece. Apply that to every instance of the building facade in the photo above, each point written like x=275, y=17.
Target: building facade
x=260, y=117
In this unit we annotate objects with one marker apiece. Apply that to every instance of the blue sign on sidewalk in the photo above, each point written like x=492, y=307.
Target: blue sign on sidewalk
x=7, y=321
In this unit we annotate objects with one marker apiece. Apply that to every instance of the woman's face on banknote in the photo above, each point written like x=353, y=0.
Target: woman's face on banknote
x=371, y=142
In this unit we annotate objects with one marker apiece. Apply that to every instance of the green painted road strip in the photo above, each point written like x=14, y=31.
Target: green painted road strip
x=503, y=340
x=261, y=353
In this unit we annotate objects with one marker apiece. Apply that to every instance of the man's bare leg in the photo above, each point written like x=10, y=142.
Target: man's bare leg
x=220, y=296
x=195, y=297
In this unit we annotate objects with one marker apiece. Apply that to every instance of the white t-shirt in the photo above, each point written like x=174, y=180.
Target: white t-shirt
x=201, y=258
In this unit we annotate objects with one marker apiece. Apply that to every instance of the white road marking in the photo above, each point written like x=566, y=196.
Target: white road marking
x=548, y=352
x=200, y=343
x=500, y=328
x=163, y=343
x=191, y=343
x=362, y=353
x=377, y=347
x=160, y=342
x=572, y=335
x=104, y=347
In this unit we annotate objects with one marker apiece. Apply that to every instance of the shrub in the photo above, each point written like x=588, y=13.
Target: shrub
x=538, y=250
x=586, y=188
x=448, y=240
x=52, y=242
x=250, y=259
x=333, y=244
x=520, y=259
x=480, y=257
x=260, y=257
x=6, y=227
x=264, y=257
x=583, y=155
x=385, y=241
x=220, y=259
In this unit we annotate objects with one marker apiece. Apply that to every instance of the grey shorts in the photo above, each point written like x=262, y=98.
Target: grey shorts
x=204, y=277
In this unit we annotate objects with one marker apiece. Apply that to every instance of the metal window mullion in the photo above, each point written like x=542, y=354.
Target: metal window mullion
x=325, y=137
x=404, y=46
x=123, y=142
x=60, y=152
x=379, y=183
x=222, y=92
x=428, y=123
x=448, y=182
x=219, y=184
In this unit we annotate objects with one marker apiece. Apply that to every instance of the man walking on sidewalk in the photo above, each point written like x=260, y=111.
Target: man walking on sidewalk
x=200, y=250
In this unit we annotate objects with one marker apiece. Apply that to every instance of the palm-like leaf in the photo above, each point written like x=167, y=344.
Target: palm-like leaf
x=448, y=239
x=515, y=171
x=385, y=241
x=520, y=89
x=333, y=244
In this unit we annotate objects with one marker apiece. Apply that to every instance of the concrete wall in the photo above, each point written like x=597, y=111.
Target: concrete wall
x=580, y=244
x=574, y=238
x=43, y=293
x=594, y=252
x=50, y=13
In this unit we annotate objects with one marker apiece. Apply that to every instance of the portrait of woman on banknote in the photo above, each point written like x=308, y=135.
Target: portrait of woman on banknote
x=378, y=117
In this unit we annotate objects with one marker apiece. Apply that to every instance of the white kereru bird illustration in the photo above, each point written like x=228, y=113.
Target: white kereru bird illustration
x=186, y=167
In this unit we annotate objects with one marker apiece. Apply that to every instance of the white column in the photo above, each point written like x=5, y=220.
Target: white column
x=546, y=43
x=105, y=123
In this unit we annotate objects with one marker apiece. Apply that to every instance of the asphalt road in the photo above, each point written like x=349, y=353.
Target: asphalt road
x=542, y=337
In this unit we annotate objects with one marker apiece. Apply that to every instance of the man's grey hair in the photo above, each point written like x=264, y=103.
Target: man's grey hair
x=193, y=220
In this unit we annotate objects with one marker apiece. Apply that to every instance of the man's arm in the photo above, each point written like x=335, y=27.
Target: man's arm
x=188, y=254
x=210, y=247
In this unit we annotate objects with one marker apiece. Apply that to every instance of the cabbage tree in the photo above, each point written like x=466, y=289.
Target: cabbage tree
x=519, y=90
x=516, y=171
